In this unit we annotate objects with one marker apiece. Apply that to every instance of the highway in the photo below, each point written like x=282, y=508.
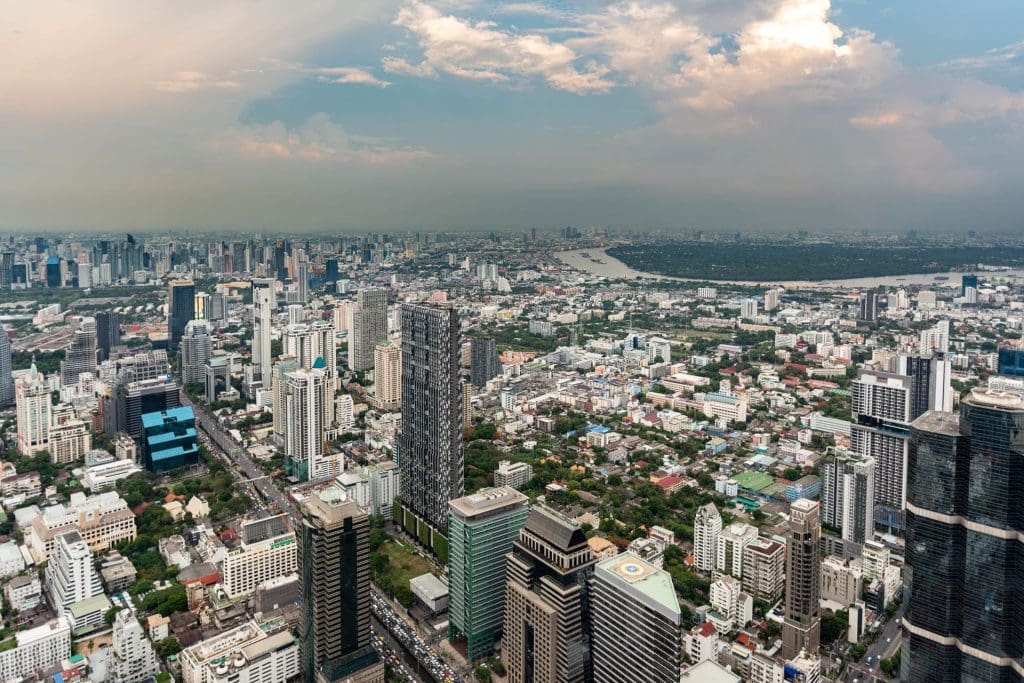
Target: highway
x=236, y=458
x=889, y=640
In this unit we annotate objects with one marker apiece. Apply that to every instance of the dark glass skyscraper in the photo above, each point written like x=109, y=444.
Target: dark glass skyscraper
x=181, y=308
x=430, y=446
x=6, y=380
x=485, y=364
x=1011, y=362
x=968, y=281
x=108, y=331
x=964, y=559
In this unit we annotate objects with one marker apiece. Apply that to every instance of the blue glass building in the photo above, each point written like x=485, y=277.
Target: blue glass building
x=169, y=439
x=1011, y=362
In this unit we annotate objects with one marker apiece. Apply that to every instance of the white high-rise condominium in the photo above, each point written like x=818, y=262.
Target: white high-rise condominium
x=133, y=659
x=264, y=300
x=369, y=327
x=32, y=396
x=748, y=308
x=732, y=541
x=313, y=346
x=80, y=355
x=195, y=349
x=306, y=394
x=848, y=496
x=706, y=528
x=387, y=376
x=70, y=574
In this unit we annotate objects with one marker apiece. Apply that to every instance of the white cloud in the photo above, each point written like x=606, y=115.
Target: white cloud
x=350, y=74
x=191, y=81
x=479, y=50
x=319, y=140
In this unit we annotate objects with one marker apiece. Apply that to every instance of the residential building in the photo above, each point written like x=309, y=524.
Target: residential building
x=264, y=302
x=482, y=528
x=732, y=608
x=729, y=408
x=701, y=644
x=514, y=474
x=70, y=574
x=244, y=654
x=80, y=356
x=70, y=441
x=868, y=312
x=842, y=581
x=195, y=350
x=334, y=574
x=132, y=657
x=764, y=567
x=732, y=541
x=637, y=622
x=305, y=397
x=368, y=327
x=267, y=550
x=6, y=379
x=801, y=627
x=430, y=444
x=32, y=396
x=23, y=592
x=37, y=649
x=485, y=364
x=108, y=331
x=387, y=376
x=345, y=416
x=848, y=495
x=706, y=529
x=546, y=635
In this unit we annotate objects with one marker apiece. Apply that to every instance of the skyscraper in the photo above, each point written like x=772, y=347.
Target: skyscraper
x=305, y=399
x=6, y=380
x=706, y=528
x=637, y=623
x=485, y=364
x=968, y=281
x=848, y=496
x=264, y=301
x=930, y=387
x=868, y=312
x=81, y=353
x=32, y=396
x=181, y=303
x=1011, y=362
x=547, y=611
x=369, y=327
x=801, y=626
x=108, y=331
x=963, y=559
x=430, y=445
x=334, y=572
x=195, y=349
x=70, y=575
x=387, y=376
x=481, y=530
x=302, y=281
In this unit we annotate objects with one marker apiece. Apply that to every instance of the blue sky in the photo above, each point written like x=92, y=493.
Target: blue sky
x=460, y=114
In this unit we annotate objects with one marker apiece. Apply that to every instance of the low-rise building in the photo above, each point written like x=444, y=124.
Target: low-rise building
x=102, y=477
x=244, y=654
x=103, y=520
x=35, y=649
x=23, y=592
x=514, y=474
x=11, y=560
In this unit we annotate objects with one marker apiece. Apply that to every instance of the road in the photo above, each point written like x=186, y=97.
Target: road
x=236, y=458
x=867, y=670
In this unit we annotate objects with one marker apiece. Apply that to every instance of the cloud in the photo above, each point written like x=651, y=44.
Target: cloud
x=319, y=140
x=350, y=74
x=479, y=50
x=190, y=81
x=1005, y=57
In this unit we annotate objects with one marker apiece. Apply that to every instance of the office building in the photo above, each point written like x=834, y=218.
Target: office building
x=130, y=401
x=37, y=649
x=334, y=574
x=181, y=308
x=132, y=657
x=732, y=541
x=848, y=496
x=637, y=623
x=80, y=355
x=108, y=331
x=306, y=396
x=706, y=528
x=1011, y=362
x=195, y=350
x=430, y=444
x=868, y=312
x=267, y=550
x=32, y=397
x=6, y=378
x=169, y=439
x=264, y=301
x=481, y=530
x=764, y=567
x=963, y=563
x=70, y=574
x=547, y=632
x=387, y=376
x=368, y=327
x=103, y=521
x=244, y=654
x=968, y=281
x=801, y=626
x=485, y=364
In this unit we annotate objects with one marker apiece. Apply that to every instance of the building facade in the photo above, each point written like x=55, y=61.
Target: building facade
x=706, y=528
x=801, y=626
x=368, y=327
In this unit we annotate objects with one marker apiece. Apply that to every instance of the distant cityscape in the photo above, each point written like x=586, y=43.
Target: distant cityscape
x=510, y=457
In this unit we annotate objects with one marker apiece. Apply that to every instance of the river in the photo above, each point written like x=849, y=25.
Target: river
x=612, y=268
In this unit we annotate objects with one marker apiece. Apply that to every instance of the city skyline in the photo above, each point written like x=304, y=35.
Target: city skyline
x=432, y=114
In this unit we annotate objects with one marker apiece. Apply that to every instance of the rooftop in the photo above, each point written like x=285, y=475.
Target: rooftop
x=635, y=576
x=947, y=424
x=488, y=500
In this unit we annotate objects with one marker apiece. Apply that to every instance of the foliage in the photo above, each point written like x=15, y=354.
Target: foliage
x=834, y=626
x=891, y=666
x=167, y=601
x=168, y=646
x=484, y=430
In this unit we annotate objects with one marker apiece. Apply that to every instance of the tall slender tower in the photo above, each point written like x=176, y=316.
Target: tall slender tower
x=6, y=379
x=369, y=327
x=81, y=353
x=484, y=362
x=963, y=561
x=848, y=496
x=264, y=300
x=195, y=349
x=430, y=445
x=108, y=331
x=334, y=566
x=801, y=627
x=33, y=409
x=387, y=376
x=305, y=397
x=181, y=308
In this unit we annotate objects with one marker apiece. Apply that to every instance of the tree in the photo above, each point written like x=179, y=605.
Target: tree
x=168, y=646
x=834, y=626
x=891, y=666
x=111, y=615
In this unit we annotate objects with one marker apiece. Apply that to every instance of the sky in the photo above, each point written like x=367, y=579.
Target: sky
x=824, y=115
